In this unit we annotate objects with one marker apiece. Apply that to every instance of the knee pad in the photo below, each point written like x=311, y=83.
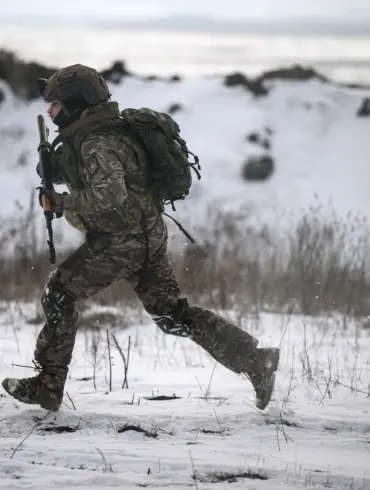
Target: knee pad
x=57, y=304
x=171, y=326
x=174, y=323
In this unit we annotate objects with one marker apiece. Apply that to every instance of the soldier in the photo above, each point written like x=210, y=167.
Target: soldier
x=126, y=238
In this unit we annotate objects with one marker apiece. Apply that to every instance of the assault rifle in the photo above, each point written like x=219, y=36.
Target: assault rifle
x=45, y=152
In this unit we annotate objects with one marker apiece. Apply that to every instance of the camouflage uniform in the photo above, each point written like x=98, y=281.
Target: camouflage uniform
x=126, y=238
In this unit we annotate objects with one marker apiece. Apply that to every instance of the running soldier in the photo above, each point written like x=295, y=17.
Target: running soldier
x=110, y=200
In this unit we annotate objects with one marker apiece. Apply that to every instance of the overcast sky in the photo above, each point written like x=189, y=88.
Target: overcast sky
x=254, y=10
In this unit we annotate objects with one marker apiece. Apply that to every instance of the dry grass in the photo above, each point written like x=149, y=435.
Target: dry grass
x=320, y=266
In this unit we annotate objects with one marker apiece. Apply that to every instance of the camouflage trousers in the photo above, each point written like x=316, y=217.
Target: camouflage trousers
x=144, y=263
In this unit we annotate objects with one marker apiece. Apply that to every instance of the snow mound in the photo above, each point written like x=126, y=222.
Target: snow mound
x=311, y=129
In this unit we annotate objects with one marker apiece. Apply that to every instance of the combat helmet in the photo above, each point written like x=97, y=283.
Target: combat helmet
x=75, y=87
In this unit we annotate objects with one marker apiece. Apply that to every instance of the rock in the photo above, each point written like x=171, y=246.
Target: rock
x=173, y=108
x=171, y=79
x=364, y=109
x=259, y=140
x=258, y=168
x=151, y=78
x=175, y=78
x=2, y=96
x=257, y=85
x=22, y=76
x=253, y=137
x=238, y=79
x=294, y=72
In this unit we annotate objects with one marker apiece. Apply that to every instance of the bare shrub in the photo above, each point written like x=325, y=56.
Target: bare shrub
x=320, y=265
x=23, y=263
x=326, y=267
x=228, y=268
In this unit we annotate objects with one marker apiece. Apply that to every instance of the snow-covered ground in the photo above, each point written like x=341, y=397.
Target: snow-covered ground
x=321, y=148
x=316, y=432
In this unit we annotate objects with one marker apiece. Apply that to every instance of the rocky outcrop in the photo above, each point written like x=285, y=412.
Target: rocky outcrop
x=294, y=72
x=257, y=86
x=240, y=80
x=116, y=73
x=21, y=76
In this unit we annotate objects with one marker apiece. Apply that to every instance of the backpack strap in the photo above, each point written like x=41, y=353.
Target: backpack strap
x=181, y=228
x=82, y=124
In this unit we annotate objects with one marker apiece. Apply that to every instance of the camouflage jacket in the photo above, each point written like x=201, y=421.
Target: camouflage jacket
x=93, y=164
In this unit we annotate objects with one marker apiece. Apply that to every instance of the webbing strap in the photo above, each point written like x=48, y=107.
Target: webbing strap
x=181, y=228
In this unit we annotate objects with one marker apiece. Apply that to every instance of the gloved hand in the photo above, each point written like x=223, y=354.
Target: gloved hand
x=56, y=198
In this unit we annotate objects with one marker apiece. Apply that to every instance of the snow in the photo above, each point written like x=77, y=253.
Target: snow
x=316, y=431
x=319, y=145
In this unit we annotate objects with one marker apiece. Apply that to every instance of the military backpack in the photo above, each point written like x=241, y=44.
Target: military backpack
x=170, y=176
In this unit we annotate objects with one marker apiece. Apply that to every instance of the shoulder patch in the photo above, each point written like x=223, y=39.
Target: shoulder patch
x=92, y=164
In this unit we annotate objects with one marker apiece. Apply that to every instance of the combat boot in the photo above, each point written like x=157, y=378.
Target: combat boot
x=46, y=389
x=261, y=369
x=235, y=349
x=228, y=344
